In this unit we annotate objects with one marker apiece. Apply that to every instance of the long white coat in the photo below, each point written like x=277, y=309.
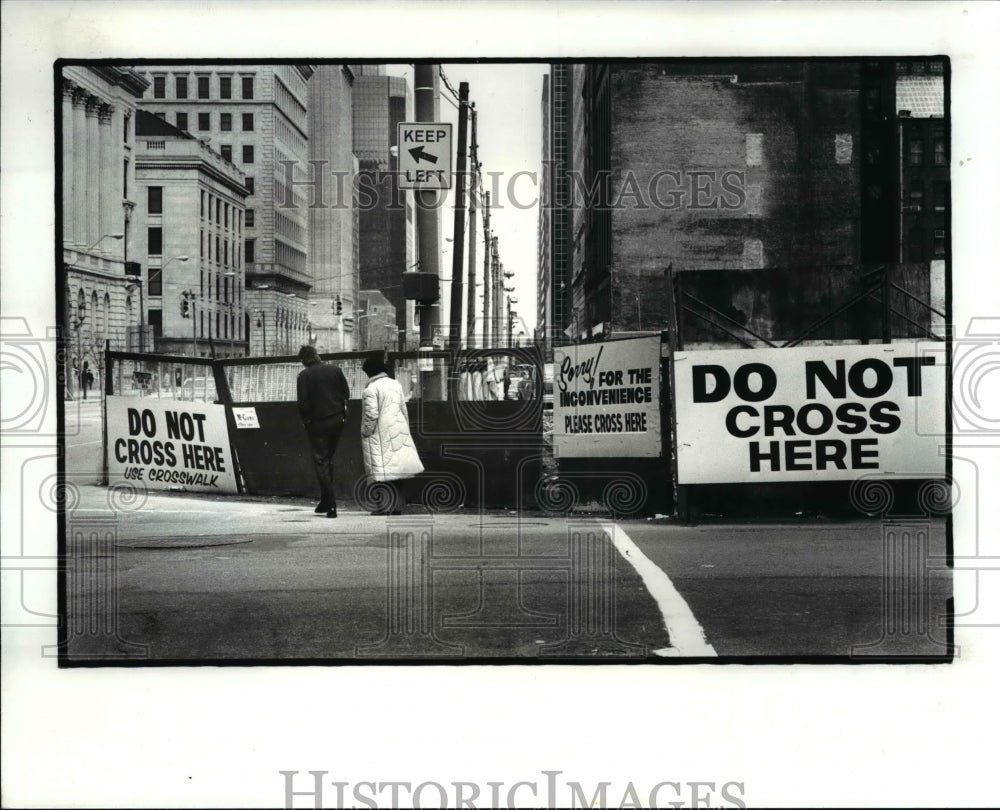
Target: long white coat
x=386, y=445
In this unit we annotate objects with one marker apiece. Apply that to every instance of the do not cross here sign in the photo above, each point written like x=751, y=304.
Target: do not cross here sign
x=424, y=155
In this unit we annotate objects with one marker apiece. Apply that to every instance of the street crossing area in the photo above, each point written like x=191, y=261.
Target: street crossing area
x=196, y=579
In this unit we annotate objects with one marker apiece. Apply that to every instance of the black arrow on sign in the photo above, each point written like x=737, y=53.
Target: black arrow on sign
x=419, y=154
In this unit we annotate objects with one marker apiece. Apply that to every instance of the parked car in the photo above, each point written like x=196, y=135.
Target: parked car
x=548, y=378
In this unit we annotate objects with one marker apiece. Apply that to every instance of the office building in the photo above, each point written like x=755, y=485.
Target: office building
x=386, y=244
x=255, y=116
x=189, y=242
x=334, y=222
x=98, y=197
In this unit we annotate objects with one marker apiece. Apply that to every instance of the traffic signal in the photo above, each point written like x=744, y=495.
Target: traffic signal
x=338, y=306
x=185, y=308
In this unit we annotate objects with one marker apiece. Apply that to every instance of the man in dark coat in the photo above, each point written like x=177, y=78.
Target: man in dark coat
x=322, y=394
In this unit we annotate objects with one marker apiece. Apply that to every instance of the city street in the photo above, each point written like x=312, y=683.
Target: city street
x=168, y=576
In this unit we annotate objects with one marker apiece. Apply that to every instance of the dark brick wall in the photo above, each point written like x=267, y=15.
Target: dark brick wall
x=800, y=202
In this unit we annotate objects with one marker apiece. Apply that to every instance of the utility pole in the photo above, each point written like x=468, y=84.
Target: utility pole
x=458, y=257
x=425, y=79
x=487, y=277
x=497, y=289
x=470, y=335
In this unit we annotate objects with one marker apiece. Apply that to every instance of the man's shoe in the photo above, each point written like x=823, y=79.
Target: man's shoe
x=331, y=513
x=322, y=507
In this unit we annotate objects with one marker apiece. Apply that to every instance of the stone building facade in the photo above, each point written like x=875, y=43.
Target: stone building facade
x=255, y=116
x=334, y=223
x=98, y=197
x=189, y=242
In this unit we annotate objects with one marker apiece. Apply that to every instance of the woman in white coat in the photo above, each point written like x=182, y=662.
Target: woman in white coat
x=386, y=444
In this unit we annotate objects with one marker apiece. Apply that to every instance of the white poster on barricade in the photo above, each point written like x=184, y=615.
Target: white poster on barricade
x=810, y=414
x=607, y=399
x=169, y=444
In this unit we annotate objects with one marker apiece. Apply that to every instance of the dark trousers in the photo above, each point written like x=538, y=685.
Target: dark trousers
x=324, y=436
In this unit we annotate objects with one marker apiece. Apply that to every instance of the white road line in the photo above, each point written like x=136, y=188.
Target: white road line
x=687, y=638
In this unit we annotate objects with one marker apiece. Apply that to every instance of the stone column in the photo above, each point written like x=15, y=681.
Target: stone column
x=68, y=160
x=92, y=195
x=78, y=217
x=111, y=210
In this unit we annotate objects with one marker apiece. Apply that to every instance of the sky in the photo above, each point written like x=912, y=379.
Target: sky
x=508, y=104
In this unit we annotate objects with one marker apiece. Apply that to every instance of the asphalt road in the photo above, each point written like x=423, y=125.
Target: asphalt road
x=178, y=578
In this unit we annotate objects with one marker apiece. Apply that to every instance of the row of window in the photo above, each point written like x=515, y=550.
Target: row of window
x=226, y=289
x=203, y=87
x=217, y=210
x=916, y=154
x=205, y=121
x=221, y=254
x=939, y=197
x=226, y=150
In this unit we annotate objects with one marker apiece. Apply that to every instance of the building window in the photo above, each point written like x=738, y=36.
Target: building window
x=126, y=128
x=225, y=214
x=125, y=179
x=218, y=252
x=181, y=86
x=226, y=150
x=248, y=154
x=940, y=153
x=155, y=241
x=218, y=214
x=202, y=204
x=225, y=252
x=248, y=122
x=161, y=115
x=916, y=152
x=201, y=245
x=248, y=87
x=249, y=185
x=209, y=207
x=203, y=87
x=154, y=199
x=226, y=122
x=182, y=121
x=940, y=196
x=248, y=251
x=155, y=281
x=249, y=217
x=204, y=124
x=159, y=87
x=916, y=195
x=225, y=87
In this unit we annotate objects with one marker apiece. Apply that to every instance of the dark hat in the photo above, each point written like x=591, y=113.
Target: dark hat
x=373, y=366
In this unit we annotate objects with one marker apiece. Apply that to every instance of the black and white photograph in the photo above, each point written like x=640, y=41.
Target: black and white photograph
x=560, y=386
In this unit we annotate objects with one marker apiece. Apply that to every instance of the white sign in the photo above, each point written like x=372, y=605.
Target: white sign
x=245, y=418
x=424, y=155
x=166, y=444
x=809, y=414
x=607, y=399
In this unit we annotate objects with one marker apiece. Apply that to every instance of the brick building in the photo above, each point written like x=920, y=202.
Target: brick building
x=98, y=197
x=743, y=177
